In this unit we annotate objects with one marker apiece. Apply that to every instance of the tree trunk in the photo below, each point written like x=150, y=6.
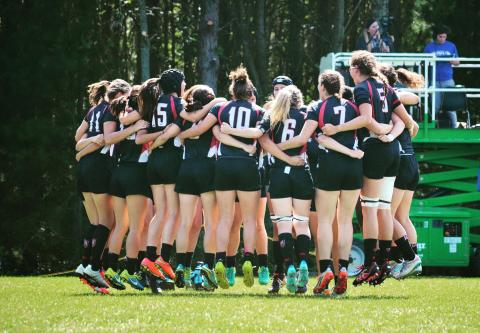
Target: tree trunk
x=339, y=26
x=261, y=54
x=144, y=42
x=380, y=9
x=208, y=43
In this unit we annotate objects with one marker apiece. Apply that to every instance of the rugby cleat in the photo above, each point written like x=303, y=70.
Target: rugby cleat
x=366, y=274
x=231, y=272
x=321, y=288
x=302, y=280
x=179, y=276
x=210, y=277
x=95, y=278
x=114, y=279
x=301, y=290
x=382, y=275
x=277, y=283
x=149, y=266
x=340, y=288
x=188, y=281
x=411, y=267
x=165, y=267
x=291, y=279
x=247, y=269
x=132, y=279
x=221, y=276
x=263, y=275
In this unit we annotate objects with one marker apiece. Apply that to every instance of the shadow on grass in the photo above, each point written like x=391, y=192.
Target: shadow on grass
x=213, y=295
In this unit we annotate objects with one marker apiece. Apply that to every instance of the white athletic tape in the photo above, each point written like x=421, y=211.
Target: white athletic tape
x=301, y=218
x=368, y=202
x=383, y=204
x=280, y=218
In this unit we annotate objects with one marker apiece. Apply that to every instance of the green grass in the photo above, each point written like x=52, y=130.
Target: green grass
x=64, y=304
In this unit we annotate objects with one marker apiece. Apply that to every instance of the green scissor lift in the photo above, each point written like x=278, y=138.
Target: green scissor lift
x=446, y=207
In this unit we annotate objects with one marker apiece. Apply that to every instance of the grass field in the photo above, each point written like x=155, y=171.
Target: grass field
x=64, y=304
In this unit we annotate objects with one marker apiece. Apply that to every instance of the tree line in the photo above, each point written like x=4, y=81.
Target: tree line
x=51, y=50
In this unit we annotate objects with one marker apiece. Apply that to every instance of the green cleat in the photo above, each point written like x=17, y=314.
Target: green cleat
x=231, y=272
x=247, y=269
x=132, y=279
x=292, y=279
x=263, y=275
x=220, y=275
x=114, y=279
x=209, y=276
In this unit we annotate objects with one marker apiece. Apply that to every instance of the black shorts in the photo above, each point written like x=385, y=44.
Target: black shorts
x=163, y=166
x=94, y=172
x=130, y=179
x=380, y=159
x=237, y=173
x=408, y=174
x=196, y=176
x=338, y=172
x=291, y=182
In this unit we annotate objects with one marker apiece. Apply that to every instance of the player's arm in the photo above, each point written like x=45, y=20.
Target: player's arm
x=411, y=124
x=269, y=146
x=143, y=136
x=228, y=140
x=128, y=118
x=84, y=141
x=113, y=136
x=201, y=128
x=249, y=133
x=398, y=127
x=408, y=98
x=297, y=141
x=90, y=148
x=333, y=144
x=170, y=132
x=195, y=116
x=81, y=130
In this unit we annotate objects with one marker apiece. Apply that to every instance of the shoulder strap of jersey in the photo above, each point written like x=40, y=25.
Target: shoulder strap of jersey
x=370, y=91
x=224, y=105
x=321, y=114
x=172, y=106
x=353, y=105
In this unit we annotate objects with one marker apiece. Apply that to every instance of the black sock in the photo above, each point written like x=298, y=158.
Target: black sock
x=342, y=263
x=369, y=245
x=405, y=248
x=131, y=265
x=188, y=259
x=384, y=253
x=209, y=259
x=99, y=239
x=104, y=259
x=113, y=261
x=286, y=247
x=262, y=260
x=231, y=261
x=87, y=245
x=181, y=259
x=221, y=256
x=277, y=257
x=166, y=251
x=396, y=254
x=325, y=264
x=302, y=244
x=248, y=256
x=414, y=248
x=141, y=255
x=152, y=253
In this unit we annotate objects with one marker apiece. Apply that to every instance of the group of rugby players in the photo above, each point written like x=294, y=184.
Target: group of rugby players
x=147, y=154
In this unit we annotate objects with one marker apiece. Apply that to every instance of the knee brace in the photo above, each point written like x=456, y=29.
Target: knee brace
x=300, y=218
x=368, y=202
x=386, y=192
x=280, y=218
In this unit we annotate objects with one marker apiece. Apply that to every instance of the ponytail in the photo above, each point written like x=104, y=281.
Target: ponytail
x=147, y=98
x=97, y=91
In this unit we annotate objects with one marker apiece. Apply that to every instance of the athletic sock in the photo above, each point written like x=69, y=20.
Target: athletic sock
x=166, y=251
x=325, y=264
x=405, y=248
x=209, y=259
x=221, y=257
x=113, y=261
x=152, y=253
x=248, y=256
x=277, y=257
x=87, y=245
x=181, y=259
x=342, y=263
x=395, y=253
x=104, y=259
x=262, y=260
x=369, y=245
x=140, y=257
x=188, y=259
x=99, y=239
x=384, y=246
x=231, y=261
x=414, y=248
x=302, y=244
x=131, y=265
x=286, y=247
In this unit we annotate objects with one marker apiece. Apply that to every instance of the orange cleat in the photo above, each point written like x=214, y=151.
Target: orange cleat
x=165, y=267
x=149, y=266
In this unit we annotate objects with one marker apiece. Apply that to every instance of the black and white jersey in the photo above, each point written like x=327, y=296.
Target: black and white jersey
x=202, y=146
x=167, y=111
x=238, y=114
x=283, y=131
x=95, y=118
